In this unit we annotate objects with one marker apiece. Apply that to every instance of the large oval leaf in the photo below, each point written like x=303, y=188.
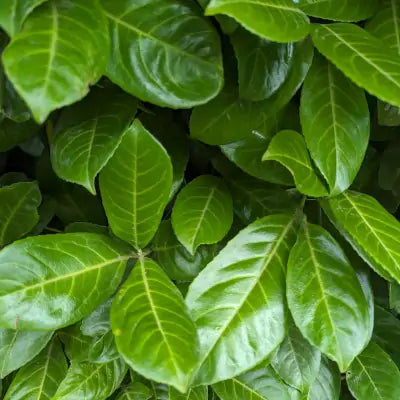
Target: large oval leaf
x=202, y=212
x=89, y=133
x=40, y=378
x=18, y=347
x=135, y=186
x=324, y=295
x=297, y=362
x=258, y=384
x=276, y=20
x=64, y=45
x=149, y=313
x=237, y=301
x=335, y=121
x=134, y=391
x=52, y=281
x=164, y=52
x=362, y=57
x=370, y=229
x=373, y=375
x=197, y=393
x=18, y=211
x=91, y=381
x=289, y=149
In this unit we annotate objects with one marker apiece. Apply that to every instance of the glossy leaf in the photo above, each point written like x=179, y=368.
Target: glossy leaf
x=135, y=186
x=263, y=65
x=352, y=50
x=60, y=70
x=89, y=134
x=325, y=296
x=373, y=375
x=40, y=378
x=18, y=211
x=165, y=53
x=339, y=10
x=91, y=381
x=197, y=393
x=97, y=322
x=237, y=301
x=57, y=289
x=19, y=347
x=202, y=212
x=335, y=121
x=370, y=229
x=296, y=361
x=258, y=384
x=174, y=259
x=289, y=148
x=149, y=311
x=276, y=20
x=135, y=391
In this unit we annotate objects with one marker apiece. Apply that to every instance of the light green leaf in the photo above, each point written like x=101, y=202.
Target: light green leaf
x=68, y=53
x=165, y=52
x=237, y=301
x=174, y=259
x=202, y=212
x=335, y=122
x=327, y=384
x=135, y=186
x=90, y=132
x=14, y=12
x=263, y=65
x=339, y=10
x=148, y=312
x=276, y=20
x=134, y=391
x=258, y=384
x=296, y=361
x=369, y=228
x=18, y=347
x=324, y=295
x=373, y=375
x=361, y=57
x=70, y=273
x=91, y=381
x=197, y=393
x=289, y=148
x=40, y=378
x=18, y=211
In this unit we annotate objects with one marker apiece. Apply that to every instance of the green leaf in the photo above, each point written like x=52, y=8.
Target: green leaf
x=165, y=53
x=18, y=212
x=289, y=148
x=369, y=228
x=60, y=70
x=40, y=378
x=149, y=312
x=86, y=227
x=373, y=375
x=97, y=322
x=197, y=393
x=237, y=301
x=14, y=12
x=335, y=121
x=18, y=347
x=339, y=10
x=91, y=381
x=361, y=57
x=327, y=383
x=388, y=115
x=71, y=274
x=90, y=132
x=296, y=361
x=263, y=65
x=324, y=295
x=258, y=384
x=174, y=259
x=394, y=296
x=134, y=391
x=276, y=20
x=135, y=186
x=202, y=212
x=13, y=133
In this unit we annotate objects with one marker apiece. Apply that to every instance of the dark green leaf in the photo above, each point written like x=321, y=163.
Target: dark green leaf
x=394, y=296
x=135, y=186
x=98, y=322
x=13, y=133
x=86, y=227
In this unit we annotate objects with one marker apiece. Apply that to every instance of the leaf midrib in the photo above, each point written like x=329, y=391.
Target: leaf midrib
x=46, y=366
x=370, y=378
